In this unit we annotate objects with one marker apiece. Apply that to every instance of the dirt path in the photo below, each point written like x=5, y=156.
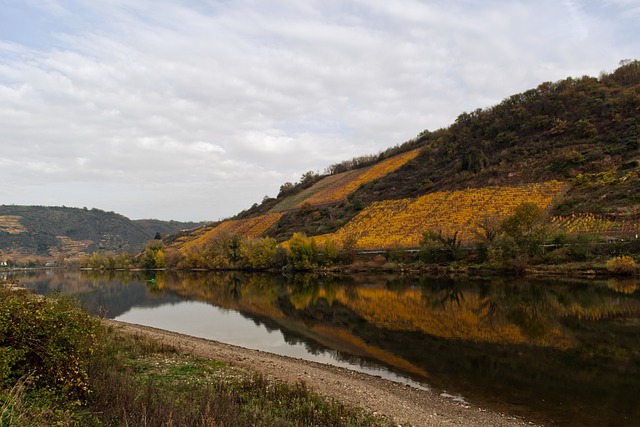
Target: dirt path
x=401, y=403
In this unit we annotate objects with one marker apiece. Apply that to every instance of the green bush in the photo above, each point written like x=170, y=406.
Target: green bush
x=48, y=340
x=304, y=252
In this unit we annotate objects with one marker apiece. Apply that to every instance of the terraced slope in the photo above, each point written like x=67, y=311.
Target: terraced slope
x=334, y=188
x=390, y=223
x=49, y=233
x=245, y=228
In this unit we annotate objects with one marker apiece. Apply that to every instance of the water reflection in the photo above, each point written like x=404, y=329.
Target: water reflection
x=563, y=352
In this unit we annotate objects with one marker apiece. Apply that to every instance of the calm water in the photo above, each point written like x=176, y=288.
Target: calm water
x=560, y=353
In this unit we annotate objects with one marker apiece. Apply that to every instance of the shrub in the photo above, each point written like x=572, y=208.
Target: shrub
x=48, y=340
x=623, y=265
x=330, y=252
x=304, y=251
x=502, y=251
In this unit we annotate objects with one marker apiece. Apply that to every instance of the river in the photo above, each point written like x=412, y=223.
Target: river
x=563, y=353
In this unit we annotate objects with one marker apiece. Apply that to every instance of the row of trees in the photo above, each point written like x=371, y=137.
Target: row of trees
x=229, y=251
x=526, y=237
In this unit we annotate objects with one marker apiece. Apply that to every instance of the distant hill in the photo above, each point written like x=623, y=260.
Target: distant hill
x=50, y=232
x=572, y=147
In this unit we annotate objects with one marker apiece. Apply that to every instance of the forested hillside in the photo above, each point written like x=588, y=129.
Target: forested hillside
x=578, y=138
x=61, y=232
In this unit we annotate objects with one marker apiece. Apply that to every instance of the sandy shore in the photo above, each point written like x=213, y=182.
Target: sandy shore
x=403, y=404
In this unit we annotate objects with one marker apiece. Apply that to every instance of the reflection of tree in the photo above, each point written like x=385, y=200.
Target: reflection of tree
x=304, y=291
x=155, y=282
x=438, y=294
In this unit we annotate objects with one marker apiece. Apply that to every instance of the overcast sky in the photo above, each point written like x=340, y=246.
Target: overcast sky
x=195, y=110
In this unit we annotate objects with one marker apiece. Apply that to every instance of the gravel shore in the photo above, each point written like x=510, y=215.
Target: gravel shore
x=402, y=404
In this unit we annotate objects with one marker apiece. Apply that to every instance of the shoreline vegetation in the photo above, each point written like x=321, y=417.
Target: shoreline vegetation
x=525, y=243
x=61, y=366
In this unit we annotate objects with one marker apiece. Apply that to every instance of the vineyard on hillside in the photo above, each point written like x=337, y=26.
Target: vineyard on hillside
x=248, y=228
x=401, y=223
x=336, y=187
x=590, y=223
x=11, y=224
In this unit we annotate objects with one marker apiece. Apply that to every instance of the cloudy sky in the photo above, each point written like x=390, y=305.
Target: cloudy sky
x=196, y=109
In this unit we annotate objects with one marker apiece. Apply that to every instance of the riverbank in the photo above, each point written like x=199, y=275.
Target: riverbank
x=402, y=404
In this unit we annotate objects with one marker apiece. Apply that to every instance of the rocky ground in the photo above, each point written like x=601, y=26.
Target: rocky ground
x=402, y=404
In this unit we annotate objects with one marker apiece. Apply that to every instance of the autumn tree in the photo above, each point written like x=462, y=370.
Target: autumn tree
x=528, y=227
x=304, y=251
x=259, y=253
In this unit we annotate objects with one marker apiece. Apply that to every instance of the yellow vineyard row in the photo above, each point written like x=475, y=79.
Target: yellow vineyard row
x=590, y=223
x=402, y=223
x=249, y=228
x=343, y=188
x=336, y=187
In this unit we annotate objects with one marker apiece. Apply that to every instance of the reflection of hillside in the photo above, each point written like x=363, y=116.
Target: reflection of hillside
x=501, y=313
x=494, y=342
x=110, y=294
x=554, y=347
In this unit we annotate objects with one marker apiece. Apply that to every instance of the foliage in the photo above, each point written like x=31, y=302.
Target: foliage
x=448, y=244
x=103, y=261
x=154, y=385
x=623, y=265
x=528, y=227
x=252, y=227
x=49, y=341
x=329, y=251
x=336, y=187
x=153, y=256
x=502, y=251
x=137, y=381
x=259, y=253
x=304, y=252
x=403, y=222
x=555, y=131
x=343, y=188
x=585, y=223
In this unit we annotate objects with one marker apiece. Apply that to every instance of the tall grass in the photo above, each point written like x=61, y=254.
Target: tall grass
x=156, y=386
x=129, y=380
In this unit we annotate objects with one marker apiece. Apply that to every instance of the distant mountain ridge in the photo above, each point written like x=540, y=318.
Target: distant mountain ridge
x=53, y=232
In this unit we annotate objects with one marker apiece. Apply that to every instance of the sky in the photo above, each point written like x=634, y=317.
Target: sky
x=195, y=110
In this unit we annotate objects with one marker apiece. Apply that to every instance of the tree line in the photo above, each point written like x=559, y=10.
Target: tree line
x=509, y=244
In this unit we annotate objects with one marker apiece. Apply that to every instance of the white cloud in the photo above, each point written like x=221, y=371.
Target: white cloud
x=191, y=110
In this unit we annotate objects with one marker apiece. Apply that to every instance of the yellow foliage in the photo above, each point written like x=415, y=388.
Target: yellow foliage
x=401, y=223
x=584, y=223
x=248, y=228
x=343, y=188
x=336, y=187
x=464, y=321
x=622, y=265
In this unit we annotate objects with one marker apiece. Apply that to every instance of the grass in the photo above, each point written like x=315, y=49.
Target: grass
x=135, y=381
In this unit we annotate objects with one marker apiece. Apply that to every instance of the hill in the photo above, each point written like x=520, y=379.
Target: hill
x=50, y=232
x=571, y=147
